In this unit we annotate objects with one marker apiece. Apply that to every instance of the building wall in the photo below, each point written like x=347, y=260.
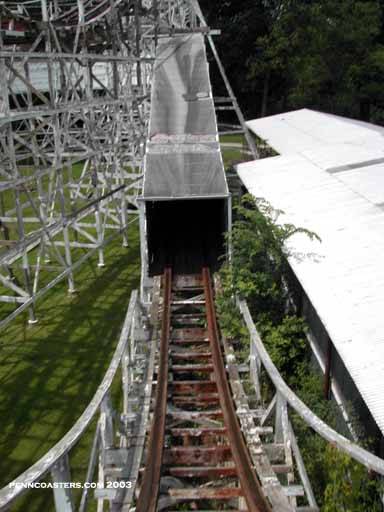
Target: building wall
x=350, y=396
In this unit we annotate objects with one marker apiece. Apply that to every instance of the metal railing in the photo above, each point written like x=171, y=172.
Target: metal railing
x=284, y=396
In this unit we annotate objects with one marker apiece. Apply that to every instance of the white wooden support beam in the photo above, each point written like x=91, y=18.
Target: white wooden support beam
x=60, y=474
x=90, y=469
x=13, y=300
x=254, y=369
x=287, y=447
x=269, y=411
x=107, y=433
x=280, y=403
x=100, y=237
x=125, y=377
x=302, y=470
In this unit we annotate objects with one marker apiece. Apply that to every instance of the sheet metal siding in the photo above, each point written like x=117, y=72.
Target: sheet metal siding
x=343, y=276
x=181, y=99
x=346, y=385
x=352, y=396
x=190, y=174
x=183, y=158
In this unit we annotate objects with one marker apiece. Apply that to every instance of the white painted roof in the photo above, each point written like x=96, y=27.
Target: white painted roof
x=307, y=130
x=330, y=179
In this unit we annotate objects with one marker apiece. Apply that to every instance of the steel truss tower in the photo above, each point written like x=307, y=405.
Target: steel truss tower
x=74, y=102
x=75, y=80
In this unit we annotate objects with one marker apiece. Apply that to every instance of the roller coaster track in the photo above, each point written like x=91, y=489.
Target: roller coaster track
x=197, y=441
x=223, y=443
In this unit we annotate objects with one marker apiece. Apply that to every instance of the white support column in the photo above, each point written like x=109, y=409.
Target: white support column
x=143, y=251
x=91, y=469
x=302, y=470
x=100, y=237
x=106, y=442
x=229, y=227
x=125, y=377
x=254, y=369
x=61, y=474
x=123, y=206
x=107, y=433
x=279, y=411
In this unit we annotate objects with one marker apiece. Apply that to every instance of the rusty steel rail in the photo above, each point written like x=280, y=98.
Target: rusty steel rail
x=149, y=491
x=250, y=485
x=198, y=412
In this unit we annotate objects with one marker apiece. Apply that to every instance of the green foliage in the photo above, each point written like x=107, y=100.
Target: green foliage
x=259, y=259
x=238, y=21
x=231, y=323
x=309, y=387
x=350, y=487
x=287, y=346
x=339, y=483
x=257, y=273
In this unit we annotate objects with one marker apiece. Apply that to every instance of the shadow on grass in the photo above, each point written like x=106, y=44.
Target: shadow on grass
x=49, y=372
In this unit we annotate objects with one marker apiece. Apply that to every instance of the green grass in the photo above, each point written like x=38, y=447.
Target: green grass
x=236, y=137
x=50, y=371
x=233, y=156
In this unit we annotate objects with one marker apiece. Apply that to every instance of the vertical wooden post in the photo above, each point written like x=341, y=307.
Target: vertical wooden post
x=279, y=411
x=107, y=432
x=61, y=474
x=255, y=367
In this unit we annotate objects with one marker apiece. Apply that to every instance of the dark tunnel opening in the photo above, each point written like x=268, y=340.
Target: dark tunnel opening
x=185, y=234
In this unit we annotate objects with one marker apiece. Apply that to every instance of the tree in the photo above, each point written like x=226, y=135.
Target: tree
x=321, y=54
x=240, y=22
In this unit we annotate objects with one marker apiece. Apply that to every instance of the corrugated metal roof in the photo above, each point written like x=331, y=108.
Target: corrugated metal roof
x=337, y=191
x=183, y=158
